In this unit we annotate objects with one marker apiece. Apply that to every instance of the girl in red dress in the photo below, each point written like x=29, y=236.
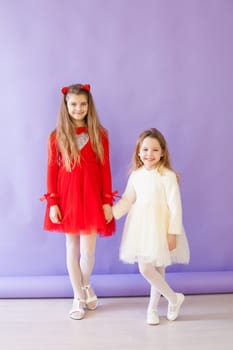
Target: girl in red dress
x=79, y=196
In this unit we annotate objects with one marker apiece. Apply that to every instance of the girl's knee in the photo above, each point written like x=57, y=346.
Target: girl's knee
x=72, y=245
x=88, y=256
x=145, y=269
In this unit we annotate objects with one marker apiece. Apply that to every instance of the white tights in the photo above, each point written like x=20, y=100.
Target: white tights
x=155, y=276
x=80, y=259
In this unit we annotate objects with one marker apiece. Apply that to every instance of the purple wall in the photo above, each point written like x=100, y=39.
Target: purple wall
x=151, y=63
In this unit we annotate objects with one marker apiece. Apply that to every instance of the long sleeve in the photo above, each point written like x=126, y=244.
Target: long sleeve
x=124, y=204
x=174, y=203
x=106, y=178
x=52, y=171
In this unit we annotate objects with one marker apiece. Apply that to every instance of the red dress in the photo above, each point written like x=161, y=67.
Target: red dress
x=81, y=192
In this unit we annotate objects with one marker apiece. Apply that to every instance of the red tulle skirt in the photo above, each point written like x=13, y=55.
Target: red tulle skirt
x=80, y=201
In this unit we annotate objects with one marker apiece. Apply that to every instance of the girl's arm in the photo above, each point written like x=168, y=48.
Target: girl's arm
x=174, y=204
x=52, y=172
x=171, y=240
x=106, y=178
x=106, y=181
x=124, y=204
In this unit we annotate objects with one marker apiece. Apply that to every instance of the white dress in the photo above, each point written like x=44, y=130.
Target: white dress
x=154, y=209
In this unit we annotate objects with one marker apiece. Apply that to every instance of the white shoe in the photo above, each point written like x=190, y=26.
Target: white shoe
x=152, y=317
x=91, y=298
x=173, y=309
x=77, y=312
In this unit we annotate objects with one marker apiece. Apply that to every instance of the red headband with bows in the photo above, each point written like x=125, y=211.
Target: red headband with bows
x=85, y=87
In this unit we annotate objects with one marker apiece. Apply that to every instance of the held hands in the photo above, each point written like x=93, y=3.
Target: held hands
x=55, y=214
x=171, y=240
x=107, y=212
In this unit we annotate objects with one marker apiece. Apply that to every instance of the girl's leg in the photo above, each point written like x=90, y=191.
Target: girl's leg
x=87, y=261
x=87, y=258
x=73, y=267
x=157, y=281
x=154, y=293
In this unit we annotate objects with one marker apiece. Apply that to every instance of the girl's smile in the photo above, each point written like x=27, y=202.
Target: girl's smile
x=150, y=152
x=77, y=108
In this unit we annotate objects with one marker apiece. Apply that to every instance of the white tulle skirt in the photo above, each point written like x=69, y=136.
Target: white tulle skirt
x=144, y=238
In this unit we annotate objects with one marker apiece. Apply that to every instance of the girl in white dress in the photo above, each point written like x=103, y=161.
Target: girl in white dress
x=153, y=234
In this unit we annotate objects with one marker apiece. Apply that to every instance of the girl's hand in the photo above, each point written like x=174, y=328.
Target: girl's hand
x=55, y=214
x=107, y=212
x=171, y=240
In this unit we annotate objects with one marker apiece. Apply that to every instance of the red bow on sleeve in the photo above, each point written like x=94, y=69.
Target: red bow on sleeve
x=113, y=195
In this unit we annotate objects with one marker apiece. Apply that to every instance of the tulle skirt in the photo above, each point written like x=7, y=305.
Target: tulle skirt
x=80, y=202
x=144, y=238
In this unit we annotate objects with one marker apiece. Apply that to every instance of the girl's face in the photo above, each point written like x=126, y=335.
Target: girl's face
x=150, y=152
x=77, y=108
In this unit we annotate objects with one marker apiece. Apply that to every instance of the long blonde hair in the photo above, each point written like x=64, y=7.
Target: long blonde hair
x=165, y=159
x=65, y=131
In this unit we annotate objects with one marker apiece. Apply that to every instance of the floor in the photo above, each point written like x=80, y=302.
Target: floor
x=205, y=322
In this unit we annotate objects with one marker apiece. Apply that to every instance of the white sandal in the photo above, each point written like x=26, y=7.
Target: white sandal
x=91, y=300
x=77, y=312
